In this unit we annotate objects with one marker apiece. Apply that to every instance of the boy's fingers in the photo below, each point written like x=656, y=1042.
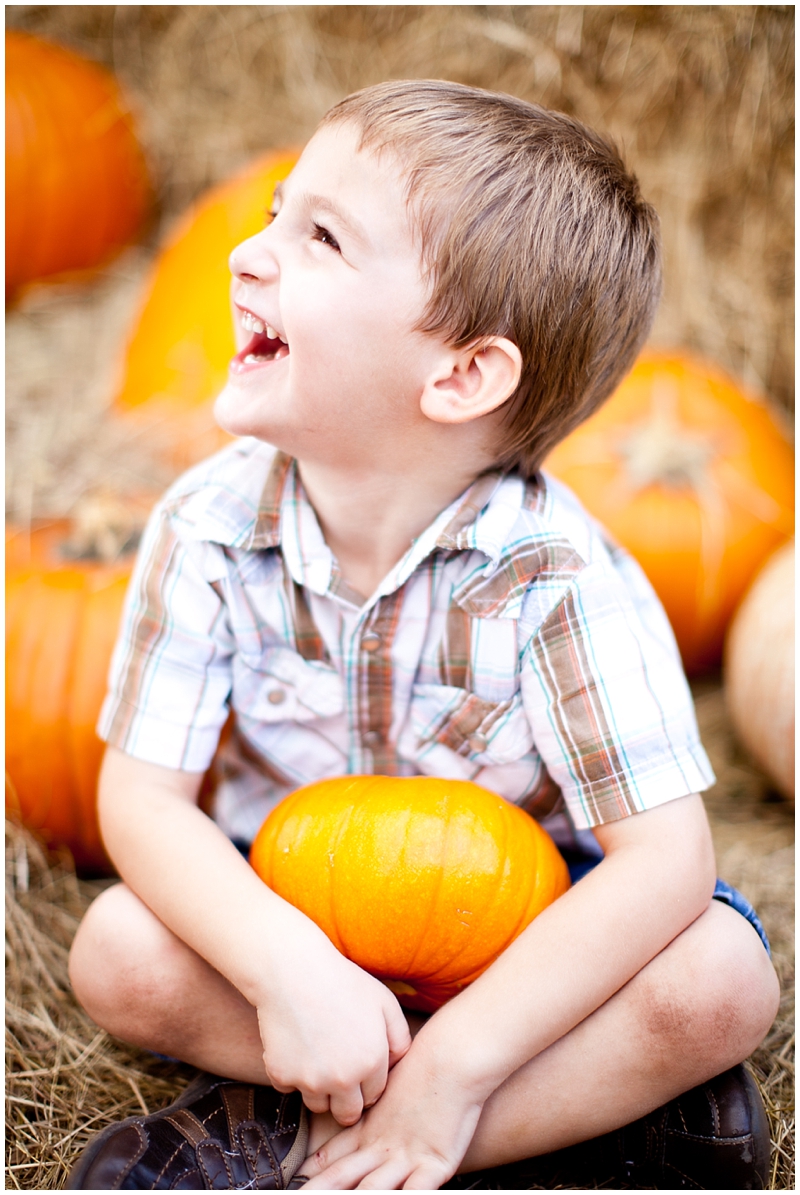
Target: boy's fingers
x=398, y=1033
x=374, y=1086
x=314, y=1101
x=428, y=1178
x=283, y=1088
x=346, y=1174
x=388, y=1177
x=339, y=1146
x=346, y=1108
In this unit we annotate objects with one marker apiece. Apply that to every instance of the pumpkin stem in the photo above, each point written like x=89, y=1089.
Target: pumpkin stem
x=662, y=451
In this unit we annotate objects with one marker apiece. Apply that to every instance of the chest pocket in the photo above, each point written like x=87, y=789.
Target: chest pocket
x=443, y=718
x=280, y=686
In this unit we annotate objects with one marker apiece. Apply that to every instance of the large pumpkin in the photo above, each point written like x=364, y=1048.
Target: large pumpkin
x=423, y=882
x=182, y=340
x=62, y=617
x=759, y=669
x=77, y=188
x=696, y=479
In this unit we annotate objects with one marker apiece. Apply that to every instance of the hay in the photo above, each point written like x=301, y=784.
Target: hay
x=65, y=1078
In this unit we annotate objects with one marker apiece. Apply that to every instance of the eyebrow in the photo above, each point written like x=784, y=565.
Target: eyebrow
x=321, y=204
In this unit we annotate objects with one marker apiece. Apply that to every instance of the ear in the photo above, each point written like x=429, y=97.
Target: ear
x=472, y=381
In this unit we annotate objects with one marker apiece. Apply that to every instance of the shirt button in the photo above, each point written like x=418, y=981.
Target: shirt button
x=478, y=742
x=370, y=641
x=370, y=737
x=276, y=696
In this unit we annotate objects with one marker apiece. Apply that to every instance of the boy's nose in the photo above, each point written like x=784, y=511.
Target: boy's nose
x=251, y=261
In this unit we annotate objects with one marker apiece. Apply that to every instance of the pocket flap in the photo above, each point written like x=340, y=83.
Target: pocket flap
x=492, y=732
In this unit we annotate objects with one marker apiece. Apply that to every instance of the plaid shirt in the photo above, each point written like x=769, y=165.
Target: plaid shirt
x=513, y=646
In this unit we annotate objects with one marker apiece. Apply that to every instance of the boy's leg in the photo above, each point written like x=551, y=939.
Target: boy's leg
x=700, y=1006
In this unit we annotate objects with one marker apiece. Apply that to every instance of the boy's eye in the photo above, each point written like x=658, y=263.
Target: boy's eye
x=324, y=237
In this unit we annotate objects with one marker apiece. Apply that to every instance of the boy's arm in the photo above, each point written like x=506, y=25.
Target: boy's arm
x=328, y=1029
x=656, y=878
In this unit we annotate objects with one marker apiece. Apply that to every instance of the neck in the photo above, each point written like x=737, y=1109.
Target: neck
x=371, y=516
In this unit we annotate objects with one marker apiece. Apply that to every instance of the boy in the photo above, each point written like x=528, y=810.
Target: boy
x=451, y=281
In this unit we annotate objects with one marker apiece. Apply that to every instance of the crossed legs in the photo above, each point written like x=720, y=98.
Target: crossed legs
x=700, y=1006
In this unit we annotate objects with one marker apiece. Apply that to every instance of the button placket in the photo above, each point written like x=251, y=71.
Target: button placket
x=370, y=642
x=375, y=687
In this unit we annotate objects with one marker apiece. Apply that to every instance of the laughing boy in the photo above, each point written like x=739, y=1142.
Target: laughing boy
x=377, y=578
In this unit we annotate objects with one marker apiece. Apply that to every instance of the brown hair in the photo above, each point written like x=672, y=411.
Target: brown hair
x=531, y=228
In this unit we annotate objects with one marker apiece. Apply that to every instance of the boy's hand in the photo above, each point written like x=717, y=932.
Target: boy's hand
x=330, y=1030
x=413, y=1139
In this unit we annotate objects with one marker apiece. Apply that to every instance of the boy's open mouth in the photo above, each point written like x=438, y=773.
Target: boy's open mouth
x=264, y=346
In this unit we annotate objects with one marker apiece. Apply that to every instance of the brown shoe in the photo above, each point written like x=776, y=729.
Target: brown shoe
x=218, y=1136
x=712, y=1138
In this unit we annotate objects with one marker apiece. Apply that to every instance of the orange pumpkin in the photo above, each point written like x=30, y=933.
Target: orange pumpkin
x=61, y=622
x=77, y=188
x=422, y=882
x=696, y=479
x=182, y=341
x=759, y=669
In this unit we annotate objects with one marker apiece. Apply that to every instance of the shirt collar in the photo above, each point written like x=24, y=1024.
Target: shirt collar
x=481, y=519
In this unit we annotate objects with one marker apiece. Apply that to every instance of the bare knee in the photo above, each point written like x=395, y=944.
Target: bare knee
x=713, y=992
x=121, y=966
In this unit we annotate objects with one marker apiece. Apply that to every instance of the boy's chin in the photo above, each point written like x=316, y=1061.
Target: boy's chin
x=234, y=415
x=238, y=417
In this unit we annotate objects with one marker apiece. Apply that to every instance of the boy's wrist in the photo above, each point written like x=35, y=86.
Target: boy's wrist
x=459, y=1057
x=284, y=944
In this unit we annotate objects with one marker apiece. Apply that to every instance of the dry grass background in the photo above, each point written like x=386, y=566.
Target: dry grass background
x=700, y=98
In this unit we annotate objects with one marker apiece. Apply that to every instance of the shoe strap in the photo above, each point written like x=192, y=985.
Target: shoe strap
x=188, y=1125
x=239, y=1102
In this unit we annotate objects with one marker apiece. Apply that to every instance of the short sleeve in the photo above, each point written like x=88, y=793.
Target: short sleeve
x=609, y=706
x=170, y=674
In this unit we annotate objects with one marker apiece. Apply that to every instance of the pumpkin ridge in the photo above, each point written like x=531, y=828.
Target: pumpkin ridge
x=431, y=907
x=434, y=976
x=536, y=871
x=494, y=896
x=343, y=827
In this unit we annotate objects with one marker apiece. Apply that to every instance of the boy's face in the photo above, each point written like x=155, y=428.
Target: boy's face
x=337, y=276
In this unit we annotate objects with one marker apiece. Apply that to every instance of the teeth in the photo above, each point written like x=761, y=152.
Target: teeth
x=252, y=323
